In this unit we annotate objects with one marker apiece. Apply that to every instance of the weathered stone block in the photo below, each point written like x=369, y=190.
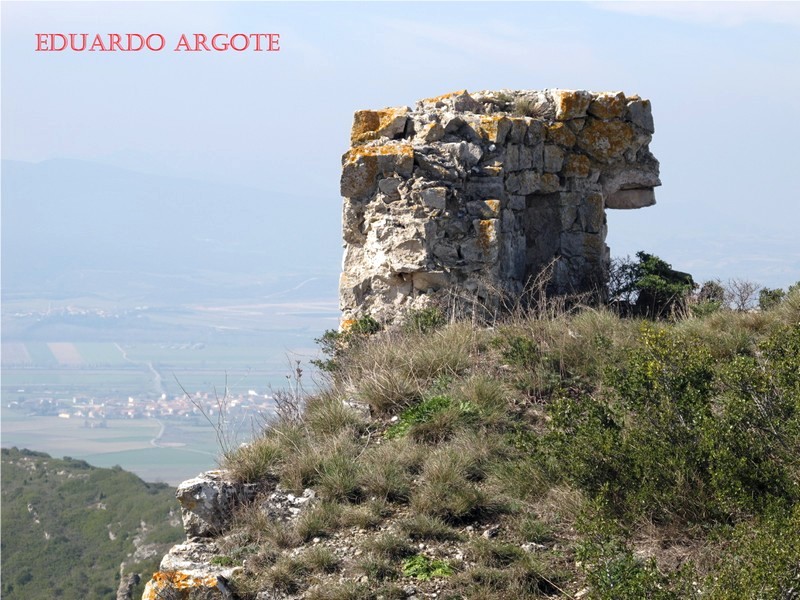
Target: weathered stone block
x=389, y=188
x=577, y=165
x=605, y=140
x=549, y=182
x=519, y=130
x=571, y=104
x=363, y=164
x=435, y=198
x=559, y=133
x=486, y=209
x=494, y=128
x=523, y=182
x=207, y=502
x=638, y=198
x=553, y=158
x=430, y=132
x=373, y=124
x=608, y=106
x=639, y=114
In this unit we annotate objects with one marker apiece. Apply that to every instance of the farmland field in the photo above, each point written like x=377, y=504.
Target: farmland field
x=40, y=354
x=66, y=353
x=15, y=353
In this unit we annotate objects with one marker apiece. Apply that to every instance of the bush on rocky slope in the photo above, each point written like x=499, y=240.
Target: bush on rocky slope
x=578, y=455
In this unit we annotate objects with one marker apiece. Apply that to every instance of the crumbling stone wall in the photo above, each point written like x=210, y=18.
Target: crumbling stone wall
x=474, y=191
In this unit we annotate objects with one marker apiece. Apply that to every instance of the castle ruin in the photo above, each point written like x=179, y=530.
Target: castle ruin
x=469, y=191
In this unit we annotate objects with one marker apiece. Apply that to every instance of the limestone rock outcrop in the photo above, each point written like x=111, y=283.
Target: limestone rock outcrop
x=467, y=192
x=192, y=569
x=208, y=502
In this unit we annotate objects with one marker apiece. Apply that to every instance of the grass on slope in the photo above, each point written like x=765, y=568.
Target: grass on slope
x=575, y=455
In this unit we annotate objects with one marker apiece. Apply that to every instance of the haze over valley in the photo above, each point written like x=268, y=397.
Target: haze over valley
x=133, y=303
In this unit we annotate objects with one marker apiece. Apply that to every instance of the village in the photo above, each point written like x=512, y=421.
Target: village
x=96, y=412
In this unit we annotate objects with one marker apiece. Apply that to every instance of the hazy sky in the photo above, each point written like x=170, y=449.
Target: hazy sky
x=724, y=80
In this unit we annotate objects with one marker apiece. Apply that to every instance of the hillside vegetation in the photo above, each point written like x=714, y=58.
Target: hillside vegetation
x=70, y=529
x=559, y=452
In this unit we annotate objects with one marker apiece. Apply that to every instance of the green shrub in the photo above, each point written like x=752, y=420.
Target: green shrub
x=335, y=344
x=422, y=567
x=640, y=450
x=666, y=444
x=769, y=298
x=614, y=573
x=761, y=559
x=648, y=287
x=752, y=440
x=424, y=320
x=419, y=413
x=519, y=350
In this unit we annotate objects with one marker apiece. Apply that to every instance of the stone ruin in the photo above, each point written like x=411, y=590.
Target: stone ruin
x=468, y=193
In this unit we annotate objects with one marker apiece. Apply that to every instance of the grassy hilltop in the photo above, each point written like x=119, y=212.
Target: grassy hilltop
x=565, y=453
x=68, y=527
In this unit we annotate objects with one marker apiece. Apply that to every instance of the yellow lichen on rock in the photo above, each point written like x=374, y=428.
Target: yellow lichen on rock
x=362, y=165
x=177, y=585
x=372, y=124
x=608, y=105
x=560, y=134
x=577, y=165
x=446, y=96
x=487, y=233
x=493, y=128
x=606, y=140
x=571, y=104
x=493, y=206
x=550, y=182
x=400, y=150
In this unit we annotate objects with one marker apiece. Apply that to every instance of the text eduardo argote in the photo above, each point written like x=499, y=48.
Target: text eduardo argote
x=156, y=42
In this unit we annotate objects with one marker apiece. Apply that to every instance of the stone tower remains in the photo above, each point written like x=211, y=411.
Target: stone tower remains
x=471, y=191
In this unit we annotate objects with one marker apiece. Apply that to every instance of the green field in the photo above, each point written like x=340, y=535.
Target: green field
x=40, y=354
x=99, y=353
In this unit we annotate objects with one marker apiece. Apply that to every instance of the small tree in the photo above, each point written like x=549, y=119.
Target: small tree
x=768, y=298
x=741, y=294
x=648, y=287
